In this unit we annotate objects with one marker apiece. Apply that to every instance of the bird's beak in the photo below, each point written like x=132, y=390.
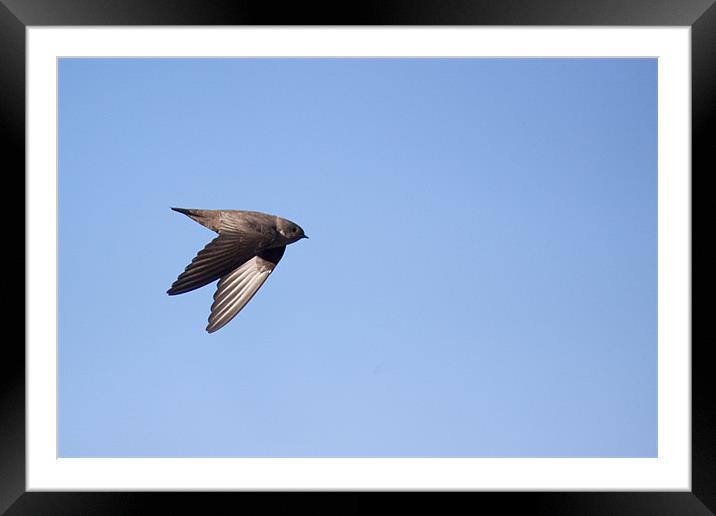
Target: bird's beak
x=305, y=236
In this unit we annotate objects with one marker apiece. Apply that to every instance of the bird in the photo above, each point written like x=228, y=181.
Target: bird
x=249, y=246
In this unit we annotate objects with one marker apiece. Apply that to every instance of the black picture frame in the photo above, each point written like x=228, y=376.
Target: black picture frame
x=16, y=15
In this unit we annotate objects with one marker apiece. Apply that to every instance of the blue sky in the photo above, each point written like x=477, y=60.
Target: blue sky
x=480, y=278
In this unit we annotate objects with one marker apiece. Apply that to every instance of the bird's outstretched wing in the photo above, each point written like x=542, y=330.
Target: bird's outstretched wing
x=220, y=256
x=239, y=286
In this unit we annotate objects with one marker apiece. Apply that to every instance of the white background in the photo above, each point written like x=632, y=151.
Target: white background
x=670, y=471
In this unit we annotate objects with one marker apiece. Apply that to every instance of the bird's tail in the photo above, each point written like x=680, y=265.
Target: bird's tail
x=207, y=218
x=188, y=212
x=197, y=215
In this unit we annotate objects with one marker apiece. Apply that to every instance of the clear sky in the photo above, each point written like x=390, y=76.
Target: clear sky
x=480, y=278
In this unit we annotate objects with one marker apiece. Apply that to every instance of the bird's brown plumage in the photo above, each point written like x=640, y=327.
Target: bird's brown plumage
x=249, y=246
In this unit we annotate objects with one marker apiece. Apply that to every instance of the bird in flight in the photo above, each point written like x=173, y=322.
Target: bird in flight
x=249, y=246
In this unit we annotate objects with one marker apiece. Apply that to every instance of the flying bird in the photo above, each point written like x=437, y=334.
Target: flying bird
x=249, y=246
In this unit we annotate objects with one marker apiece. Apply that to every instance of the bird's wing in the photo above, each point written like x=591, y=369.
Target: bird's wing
x=220, y=256
x=239, y=286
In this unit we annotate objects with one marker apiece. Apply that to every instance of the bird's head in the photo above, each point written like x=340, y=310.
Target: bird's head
x=290, y=231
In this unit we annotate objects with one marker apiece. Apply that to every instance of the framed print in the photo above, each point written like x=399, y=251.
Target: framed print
x=495, y=297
